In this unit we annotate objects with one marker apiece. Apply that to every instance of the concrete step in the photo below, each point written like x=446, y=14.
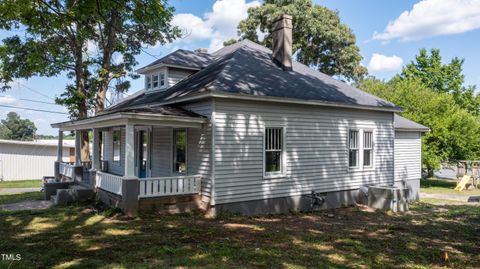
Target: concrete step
x=74, y=193
x=53, y=198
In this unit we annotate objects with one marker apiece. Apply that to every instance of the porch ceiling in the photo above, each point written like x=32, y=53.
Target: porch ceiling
x=132, y=118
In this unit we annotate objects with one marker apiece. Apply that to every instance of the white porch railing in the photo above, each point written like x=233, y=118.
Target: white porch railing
x=167, y=186
x=109, y=182
x=66, y=169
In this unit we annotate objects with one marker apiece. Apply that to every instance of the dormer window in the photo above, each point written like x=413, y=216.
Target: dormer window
x=155, y=81
x=148, y=82
x=162, y=80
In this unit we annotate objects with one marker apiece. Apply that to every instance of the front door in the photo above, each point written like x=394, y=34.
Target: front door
x=142, y=150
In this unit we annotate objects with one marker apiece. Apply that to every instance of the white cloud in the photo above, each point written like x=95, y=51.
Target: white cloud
x=193, y=27
x=217, y=26
x=8, y=99
x=382, y=63
x=429, y=18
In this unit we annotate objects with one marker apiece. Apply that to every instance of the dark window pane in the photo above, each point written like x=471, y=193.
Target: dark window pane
x=180, y=140
x=272, y=161
x=367, y=157
x=352, y=158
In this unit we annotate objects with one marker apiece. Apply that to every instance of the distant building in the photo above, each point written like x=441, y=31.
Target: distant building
x=20, y=160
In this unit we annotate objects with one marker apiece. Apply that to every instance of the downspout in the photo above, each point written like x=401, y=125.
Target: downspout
x=212, y=198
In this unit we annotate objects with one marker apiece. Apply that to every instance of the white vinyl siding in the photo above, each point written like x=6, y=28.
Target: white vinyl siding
x=408, y=156
x=316, y=140
x=40, y=160
x=199, y=147
x=175, y=75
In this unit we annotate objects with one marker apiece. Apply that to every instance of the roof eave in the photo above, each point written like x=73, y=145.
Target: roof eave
x=219, y=94
x=122, y=117
x=147, y=68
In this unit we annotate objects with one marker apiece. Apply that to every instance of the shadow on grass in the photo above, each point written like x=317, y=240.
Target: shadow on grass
x=80, y=237
x=433, y=182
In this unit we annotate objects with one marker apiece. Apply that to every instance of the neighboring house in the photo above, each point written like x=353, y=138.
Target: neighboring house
x=247, y=130
x=408, y=154
x=21, y=160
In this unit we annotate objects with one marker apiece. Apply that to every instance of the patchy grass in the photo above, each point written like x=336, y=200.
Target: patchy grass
x=82, y=237
x=444, y=186
x=31, y=183
x=14, y=198
x=437, y=201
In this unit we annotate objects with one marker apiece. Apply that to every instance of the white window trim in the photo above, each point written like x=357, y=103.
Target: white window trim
x=173, y=172
x=163, y=71
x=117, y=162
x=282, y=172
x=372, y=166
x=360, y=166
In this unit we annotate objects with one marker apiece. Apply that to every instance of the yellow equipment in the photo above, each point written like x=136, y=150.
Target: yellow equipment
x=462, y=184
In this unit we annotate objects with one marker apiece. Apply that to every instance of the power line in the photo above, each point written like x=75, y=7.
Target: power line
x=35, y=91
x=33, y=109
x=42, y=102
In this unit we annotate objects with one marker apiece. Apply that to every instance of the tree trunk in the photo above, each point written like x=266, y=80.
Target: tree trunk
x=106, y=61
x=82, y=106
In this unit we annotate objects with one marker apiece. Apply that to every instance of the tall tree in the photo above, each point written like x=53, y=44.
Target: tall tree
x=58, y=36
x=443, y=77
x=18, y=128
x=4, y=132
x=454, y=131
x=320, y=39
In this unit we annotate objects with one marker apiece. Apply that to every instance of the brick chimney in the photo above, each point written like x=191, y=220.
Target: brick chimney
x=201, y=50
x=282, y=41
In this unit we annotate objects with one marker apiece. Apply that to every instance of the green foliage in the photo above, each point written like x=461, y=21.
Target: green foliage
x=229, y=42
x=320, y=39
x=17, y=128
x=5, y=133
x=57, y=37
x=454, y=131
x=440, y=77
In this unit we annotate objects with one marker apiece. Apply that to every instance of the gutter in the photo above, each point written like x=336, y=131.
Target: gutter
x=218, y=94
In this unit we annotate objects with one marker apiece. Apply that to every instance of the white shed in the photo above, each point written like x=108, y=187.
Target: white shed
x=408, y=154
x=21, y=160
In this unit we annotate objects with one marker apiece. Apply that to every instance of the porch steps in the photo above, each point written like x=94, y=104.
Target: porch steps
x=74, y=193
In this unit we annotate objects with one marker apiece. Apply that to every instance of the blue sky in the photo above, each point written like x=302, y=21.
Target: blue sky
x=389, y=34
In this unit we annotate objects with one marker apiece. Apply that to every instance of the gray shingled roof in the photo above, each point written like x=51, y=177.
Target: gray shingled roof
x=184, y=58
x=401, y=123
x=246, y=68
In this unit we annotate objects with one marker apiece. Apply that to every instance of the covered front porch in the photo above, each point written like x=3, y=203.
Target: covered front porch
x=138, y=158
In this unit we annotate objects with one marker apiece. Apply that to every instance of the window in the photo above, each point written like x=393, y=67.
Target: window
x=148, y=82
x=353, y=149
x=116, y=145
x=162, y=80
x=155, y=81
x=367, y=148
x=179, y=151
x=273, y=150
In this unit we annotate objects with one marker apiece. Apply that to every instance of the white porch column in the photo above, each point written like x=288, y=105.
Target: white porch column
x=129, y=150
x=60, y=147
x=96, y=150
x=78, y=148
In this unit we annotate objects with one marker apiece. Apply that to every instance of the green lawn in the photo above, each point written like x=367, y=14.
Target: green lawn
x=13, y=198
x=83, y=237
x=444, y=186
x=32, y=183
